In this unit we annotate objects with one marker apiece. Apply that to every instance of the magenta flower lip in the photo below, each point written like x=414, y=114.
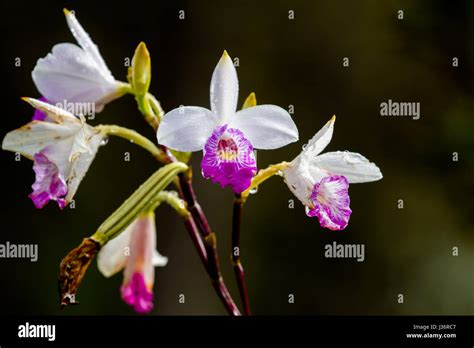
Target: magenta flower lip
x=136, y=294
x=330, y=198
x=49, y=184
x=229, y=159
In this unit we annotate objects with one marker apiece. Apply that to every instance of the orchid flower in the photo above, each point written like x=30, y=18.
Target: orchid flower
x=76, y=74
x=135, y=250
x=321, y=182
x=62, y=148
x=227, y=137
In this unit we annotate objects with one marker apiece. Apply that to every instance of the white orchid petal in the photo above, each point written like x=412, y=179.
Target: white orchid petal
x=159, y=260
x=35, y=136
x=355, y=167
x=69, y=74
x=266, y=126
x=81, y=161
x=113, y=256
x=87, y=44
x=320, y=140
x=59, y=153
x=224, y=89
x=300, y=179
x=55, y=113
x=186, y=128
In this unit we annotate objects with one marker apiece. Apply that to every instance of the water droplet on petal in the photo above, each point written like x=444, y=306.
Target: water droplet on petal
x=253, y=190
x=104, y=141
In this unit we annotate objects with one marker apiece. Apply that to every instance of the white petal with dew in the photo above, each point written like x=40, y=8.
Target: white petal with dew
x=224, y=89
x=320, y=140
x=355, y=167
x=69, y=74
x=83, y=39
x=186, y=128
x=266, y=126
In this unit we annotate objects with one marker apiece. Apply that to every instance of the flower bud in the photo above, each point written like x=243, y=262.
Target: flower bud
x=141, y=70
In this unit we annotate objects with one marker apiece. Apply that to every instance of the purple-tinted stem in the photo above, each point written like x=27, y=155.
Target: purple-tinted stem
x=197, y=240
x=194, y=208
x=198, y=223
x=216, y=277
x=238, y=267
x=185, y=180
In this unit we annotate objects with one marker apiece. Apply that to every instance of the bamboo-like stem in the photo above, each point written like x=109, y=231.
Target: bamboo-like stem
x=235, y=253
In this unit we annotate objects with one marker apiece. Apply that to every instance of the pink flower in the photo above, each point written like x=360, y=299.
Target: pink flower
x=135, y=250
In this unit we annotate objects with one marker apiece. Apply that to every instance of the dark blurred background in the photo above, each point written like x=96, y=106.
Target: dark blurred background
x=285, y=62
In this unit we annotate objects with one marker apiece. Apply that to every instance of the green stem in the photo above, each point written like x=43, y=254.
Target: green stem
x=155, y=106
x=263, y=175
x=133, y=137
x=145, y=108
x=172, y=199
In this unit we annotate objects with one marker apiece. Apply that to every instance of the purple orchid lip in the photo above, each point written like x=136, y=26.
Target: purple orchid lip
x=229, y=159
x=136, y=294
x=48, y=184
x=330, y=198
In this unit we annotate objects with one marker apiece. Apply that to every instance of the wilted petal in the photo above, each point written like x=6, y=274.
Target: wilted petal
x=36, y=135
x=49, y=185
x=186, y=128
x=266, y=126
x=330, y=199
x=224, y=89
x=228, y=159
x=355, y=167
x=53, y=112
